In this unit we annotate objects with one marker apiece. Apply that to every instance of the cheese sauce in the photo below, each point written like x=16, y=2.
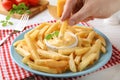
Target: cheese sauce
x=65, y=41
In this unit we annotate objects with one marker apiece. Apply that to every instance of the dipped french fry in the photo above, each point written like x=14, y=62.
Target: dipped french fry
x=63, y=29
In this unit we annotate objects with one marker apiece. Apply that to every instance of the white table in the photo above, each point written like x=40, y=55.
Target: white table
x=111, y=31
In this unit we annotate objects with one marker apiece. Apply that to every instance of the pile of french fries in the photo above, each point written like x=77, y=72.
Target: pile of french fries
x=38, y=57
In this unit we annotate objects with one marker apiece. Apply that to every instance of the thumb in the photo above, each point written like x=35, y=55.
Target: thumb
x=82, y=14
x=68, y=8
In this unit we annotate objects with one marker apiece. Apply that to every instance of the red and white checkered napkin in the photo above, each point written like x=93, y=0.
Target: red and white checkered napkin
x=11, y=71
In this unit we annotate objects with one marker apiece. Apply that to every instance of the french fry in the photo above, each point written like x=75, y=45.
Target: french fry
x=79, y=42
x=81, y=51
x=72, y=65
x=26, y=59
x=83, y=28
x=41, y=45
x=66, y=51
x=42, y=25
x=31, y=31
x=91, y=36
x=86, y=61
x=25, y=47
x=52, y=28
x=43, y=30
x=17, y=43
x=42, y=68
x=62, y=69
x=52, y=55
x=38, y=27
x=85, y=43
x=103, y=49
x=71, y=29
x=34, y=34
x=32, y=47
x=63, y=29
x=93, y=49
x=77, y=59
x=101, y=38
x=97, y=55
x=22, y=52
x=82, y=34
x=50, y=62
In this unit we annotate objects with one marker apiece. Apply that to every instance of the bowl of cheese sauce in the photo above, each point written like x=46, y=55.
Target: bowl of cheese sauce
x=69, y=40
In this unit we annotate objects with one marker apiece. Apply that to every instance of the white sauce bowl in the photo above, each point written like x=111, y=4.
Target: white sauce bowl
x=56, y=48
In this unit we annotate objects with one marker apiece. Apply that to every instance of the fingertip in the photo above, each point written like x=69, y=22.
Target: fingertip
x=62, y=18
x=71, y=22
x=65, y=16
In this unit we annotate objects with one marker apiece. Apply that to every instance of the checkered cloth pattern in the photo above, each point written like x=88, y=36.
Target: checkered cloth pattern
x=11, y=71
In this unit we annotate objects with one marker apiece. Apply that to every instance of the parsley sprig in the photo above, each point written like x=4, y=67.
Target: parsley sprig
x=6, y=21
x=51, y=35
x=19, y=9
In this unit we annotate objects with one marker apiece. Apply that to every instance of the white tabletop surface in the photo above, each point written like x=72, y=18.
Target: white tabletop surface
x=111, y=31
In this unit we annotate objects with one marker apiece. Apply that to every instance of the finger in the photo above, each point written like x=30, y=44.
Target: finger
x=78, y=6
x=88, y=19
x=82, y=14
x=68, y=9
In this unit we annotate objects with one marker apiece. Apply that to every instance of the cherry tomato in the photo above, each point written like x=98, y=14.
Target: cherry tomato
x=7, y=4
x=22, y=1
x=33, y=2
x=10, y=0
x=14, y=1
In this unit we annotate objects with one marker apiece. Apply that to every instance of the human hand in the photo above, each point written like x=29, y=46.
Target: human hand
x=85, y=10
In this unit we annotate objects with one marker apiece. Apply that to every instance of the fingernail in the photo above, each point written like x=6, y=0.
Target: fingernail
x=71, y=22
